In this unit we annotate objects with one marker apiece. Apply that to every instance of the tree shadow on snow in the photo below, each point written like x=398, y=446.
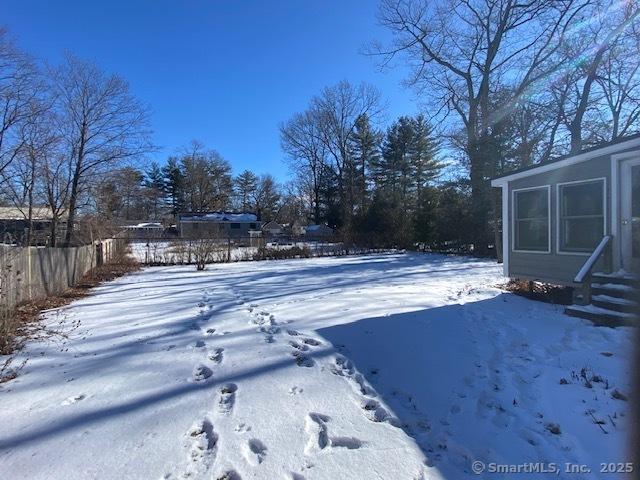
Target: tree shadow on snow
x=435, y=372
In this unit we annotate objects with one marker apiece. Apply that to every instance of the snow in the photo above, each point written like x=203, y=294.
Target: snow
x=613, y=286
x=366, y=367
x=616, y=300
x=602, y=311
x=145, y=225
x=177, y=251
x=221, y=217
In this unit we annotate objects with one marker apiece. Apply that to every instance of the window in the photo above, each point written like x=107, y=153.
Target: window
x=235, y=226
x=252, y=226
x=581, y=215
x=531, y=220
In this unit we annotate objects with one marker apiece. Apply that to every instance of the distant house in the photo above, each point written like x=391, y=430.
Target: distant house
x=297, y=229
x=14, y=224
x=148, y=230
x=272, y=229
x=575, y=221
x=318, y=232
x=223, y=225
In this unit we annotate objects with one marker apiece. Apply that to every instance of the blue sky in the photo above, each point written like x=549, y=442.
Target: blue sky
x=223, y=72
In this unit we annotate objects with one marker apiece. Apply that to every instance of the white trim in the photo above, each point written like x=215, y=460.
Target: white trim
x=626, y=236
x=505, y=230
x=616, y=162
x=513, y=219
x=578, y=158
x=604, y=212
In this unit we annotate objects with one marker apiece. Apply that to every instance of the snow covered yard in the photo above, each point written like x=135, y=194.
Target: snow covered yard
x=372, y=367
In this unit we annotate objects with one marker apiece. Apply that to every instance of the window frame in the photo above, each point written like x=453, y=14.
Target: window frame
x=559, y=249
x=514, y=219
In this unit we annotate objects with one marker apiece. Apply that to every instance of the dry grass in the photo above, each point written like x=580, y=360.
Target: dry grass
x=542, y=292
x=25, y=316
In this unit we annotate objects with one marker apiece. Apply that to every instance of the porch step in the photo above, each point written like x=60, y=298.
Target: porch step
x=617, y=278
x=614, y=290
x=602, y=316
x=615, y=303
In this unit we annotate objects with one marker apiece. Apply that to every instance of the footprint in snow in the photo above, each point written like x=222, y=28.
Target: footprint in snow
x=227, y=397
x=374, y=411
x=311, y=341
x=303, y=360
x=199, y=344
x=254, y=451
x=293, y=333
x=319, y=438
x=297, y=346
x=242, y=428
x=295, y=390
x=229, y=475
x=204, y=440
x=316, y=427
x=217, y=355
x=201, y=372
x=73, y=399
x=344, y=368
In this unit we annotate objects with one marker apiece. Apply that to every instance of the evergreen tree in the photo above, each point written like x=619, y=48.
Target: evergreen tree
x=154, y=183
x=422, y=154
x=246, y=185
x=173, y=186
x=365, y=151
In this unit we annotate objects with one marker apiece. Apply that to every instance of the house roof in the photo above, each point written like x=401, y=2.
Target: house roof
x=318, y=228
x=272, y=224
x=218, y=217
x=604, y=148
x=21, y=213
x=145, y=225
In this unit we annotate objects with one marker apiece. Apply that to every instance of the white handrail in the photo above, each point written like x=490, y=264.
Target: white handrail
x=593, y=258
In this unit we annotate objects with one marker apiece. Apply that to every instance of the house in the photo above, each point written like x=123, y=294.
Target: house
x=14, y=225
x=575, y=221
x=223, y=225
x=297, y=229
x=318, y=232
x=272, y=229
x=144, y=231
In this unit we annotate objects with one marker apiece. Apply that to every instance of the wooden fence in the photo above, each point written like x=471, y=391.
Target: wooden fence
x=28, y=273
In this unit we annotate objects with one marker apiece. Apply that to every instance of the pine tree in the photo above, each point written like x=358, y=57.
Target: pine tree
x=245, y=187
x=173, y=185
x=365, y=151
x=154, y=190
x=422, y=154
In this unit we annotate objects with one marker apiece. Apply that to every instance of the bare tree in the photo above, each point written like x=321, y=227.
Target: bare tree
x=337, y=111
x=22, y=177
x=300, y=138
x=20, y=86
x=207, y=178
x=619, y=81
x=590, y=58
x=101, y=125
x=56, y=177
x=463, y=51
x=266, y=198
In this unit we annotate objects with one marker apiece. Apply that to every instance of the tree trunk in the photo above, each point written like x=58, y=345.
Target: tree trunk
x=73, y=199
x=54, y=231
